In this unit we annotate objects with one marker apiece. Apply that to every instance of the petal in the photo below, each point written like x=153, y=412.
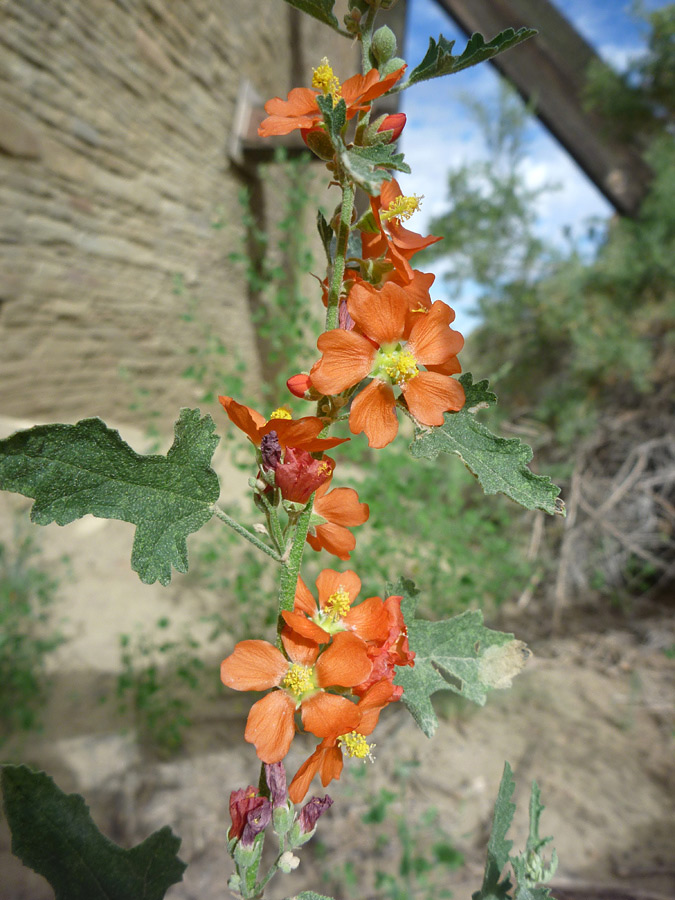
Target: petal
x=373, y=411
x=355, y=87
x=451, y=366
x=300, y=649
x=327, y=715
x=303, y=777
x=379, y=314
x=302, y=626
x=330, y=582
x=275, y=125
x=432, y=341
x=331, y=764
x=344, y=662
x=342, y=507
x=304, y=601
x=270, y=726
x=429, y=395
x=347, y=358
x=303, y=434
x=382, y=86
x=245, y=418
x=369, y=620
x=253, y=666
x=300, y=102
x=334, y=539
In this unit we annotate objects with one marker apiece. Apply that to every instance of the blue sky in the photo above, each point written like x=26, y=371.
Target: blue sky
x=440, y=133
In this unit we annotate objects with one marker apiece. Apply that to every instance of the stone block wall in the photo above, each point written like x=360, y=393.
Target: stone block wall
x=115, y=125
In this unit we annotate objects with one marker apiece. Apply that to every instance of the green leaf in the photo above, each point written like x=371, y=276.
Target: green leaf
x=500, y=464
x=334, y=117
x=439, y=59
x=73, y=470
x=530, y=867
x=320, y=9
x=498, y=847
x=458, y=654
x=54, y=835
x=368, y=166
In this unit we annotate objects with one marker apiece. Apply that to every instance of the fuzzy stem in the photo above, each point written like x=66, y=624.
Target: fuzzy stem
x=245, y=533
x=340, y=255
x=291, y=567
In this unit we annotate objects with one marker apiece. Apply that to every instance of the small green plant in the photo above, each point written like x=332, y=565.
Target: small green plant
x=157, y=673
x=27, y=633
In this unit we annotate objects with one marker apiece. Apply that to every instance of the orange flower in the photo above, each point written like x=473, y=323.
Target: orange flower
x=327, y=758
x=393, y=651
x=303, y=434
x=301, y=681
x=391, y=350
x=393, y=241
x=338, y=508
x=300, y=109
x=335, y=613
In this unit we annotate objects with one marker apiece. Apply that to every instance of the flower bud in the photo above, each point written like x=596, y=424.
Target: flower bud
x=394, y=123
x=383, y=46
x=391, y=66
x=300, y=385
x=318, y=142
x=299, y=475
x=270, y=450
x=275, y=775
x=310, y=812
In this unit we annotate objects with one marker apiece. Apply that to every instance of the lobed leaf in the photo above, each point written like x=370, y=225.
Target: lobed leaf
x=74, y=470
x=368, y=166
x=439, y=59
x=319, y=9
x=54, y=834
x=498, y=847
x=458, y=654
x=500, y=464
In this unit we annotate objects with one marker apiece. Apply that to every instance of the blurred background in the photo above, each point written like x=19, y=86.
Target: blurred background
x=155, y=253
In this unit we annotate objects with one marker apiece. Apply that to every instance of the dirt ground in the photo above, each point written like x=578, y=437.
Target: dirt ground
x=590, y=718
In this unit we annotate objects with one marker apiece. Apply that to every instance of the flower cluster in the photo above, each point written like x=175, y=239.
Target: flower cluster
x=336, y=670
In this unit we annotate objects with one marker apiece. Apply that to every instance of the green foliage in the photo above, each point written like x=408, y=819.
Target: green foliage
x=439, y=59
x=499, y=464
x=318, y=9
x=54, y=834
x=27, y=635
x=159, y=680
x=529, y=866
x=370, y=166
x=73, y=470
x=458, y=654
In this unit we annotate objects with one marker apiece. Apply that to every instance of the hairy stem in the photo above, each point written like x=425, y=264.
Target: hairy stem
x=340, y=255
x=245, y=533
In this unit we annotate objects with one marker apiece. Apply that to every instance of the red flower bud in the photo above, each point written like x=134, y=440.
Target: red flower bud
x=250, y=815
x=300, y=385
x=299, y=475
x=311, y=811
x=395, y=123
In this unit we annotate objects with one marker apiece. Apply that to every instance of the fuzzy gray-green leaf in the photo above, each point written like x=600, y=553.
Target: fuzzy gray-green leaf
x=74, y=470
x=319, y=9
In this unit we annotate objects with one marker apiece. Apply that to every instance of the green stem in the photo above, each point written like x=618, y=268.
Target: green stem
x=274, y=524
x=291, y=567
x=340, y=256
x=245, y=533
x=366, y=39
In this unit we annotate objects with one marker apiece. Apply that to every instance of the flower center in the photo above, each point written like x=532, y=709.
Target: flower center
x=281, y=413
x=355, y=744
x=299, y=680
x=397, y=366
x=325, y=80
x=337, y=605
x=401, y=208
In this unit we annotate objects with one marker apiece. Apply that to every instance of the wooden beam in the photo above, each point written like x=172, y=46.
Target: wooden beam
x=549, y=71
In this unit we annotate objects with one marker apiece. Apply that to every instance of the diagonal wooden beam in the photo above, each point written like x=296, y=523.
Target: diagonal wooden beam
x=549, y=71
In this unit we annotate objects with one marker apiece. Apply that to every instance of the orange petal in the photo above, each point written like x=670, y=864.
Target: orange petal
x=369, y=620
x=342, y=507
x=303, y=434
x=334, y=539
x=304, y=601
x=300, y=102
x=431, y=341
x=327, y=715
x=355, y=87
x=331, y=764
x=347, y=358
x=303, y=777
x=300, y=649
x=253, y=666
x=429, y=395
x=344, y=662
x=382, y=86
x=302, y=626
x=330, y=582
x=451, y=366
x=245, y=418
x=270, y=726
x=275, y=125
x=379, y=314
x=373, y=412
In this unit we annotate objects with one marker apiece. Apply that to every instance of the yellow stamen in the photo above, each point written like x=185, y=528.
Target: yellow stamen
x=401, y=208
x=324, y=468
x=337, y=605
x=355, y=744
x=299, y=679
x=326, y=81
x=398, y=366
x=281, y=413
